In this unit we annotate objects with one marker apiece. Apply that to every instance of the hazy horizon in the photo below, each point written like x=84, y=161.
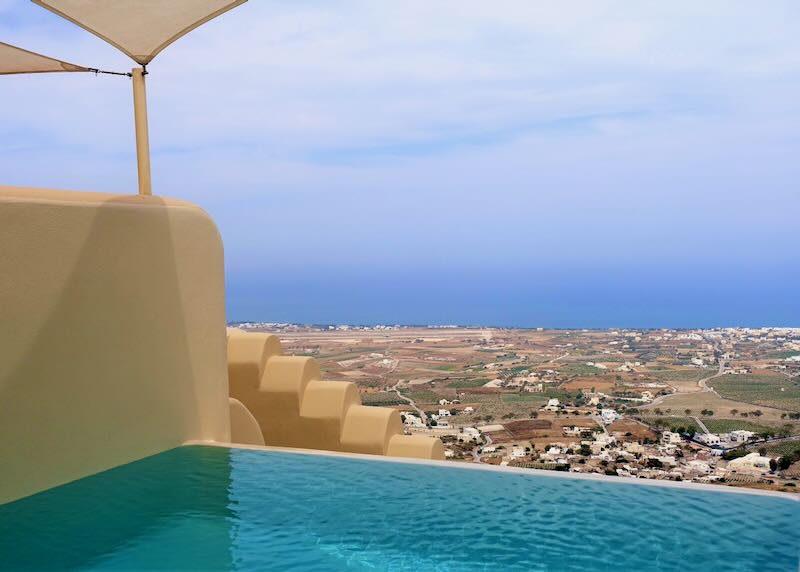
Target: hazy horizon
x=597, y=164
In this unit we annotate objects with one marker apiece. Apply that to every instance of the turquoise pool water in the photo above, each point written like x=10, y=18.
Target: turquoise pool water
x=214, y=508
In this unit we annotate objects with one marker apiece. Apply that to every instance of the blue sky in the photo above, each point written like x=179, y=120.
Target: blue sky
x=581, y=164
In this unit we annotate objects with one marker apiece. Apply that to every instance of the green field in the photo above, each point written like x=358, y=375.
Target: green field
x=728, y=425
x=688, y=374
x=769, y=390
x=423, y=397
x=461, y=383
x=579, y=369
x=381, y=398
x=781, y=355
x=536, y=397
x=524, y=398
x=671, y=423
x=783, y=448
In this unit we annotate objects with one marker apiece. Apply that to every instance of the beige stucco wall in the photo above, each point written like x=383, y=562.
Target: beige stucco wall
x=295, y=407
x=112, y=333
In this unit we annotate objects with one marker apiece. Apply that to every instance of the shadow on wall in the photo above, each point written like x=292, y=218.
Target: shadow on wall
x=113, y=333
x=182, y=494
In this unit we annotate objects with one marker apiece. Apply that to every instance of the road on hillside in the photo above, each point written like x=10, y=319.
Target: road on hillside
x=476, y=455
x=703, y=382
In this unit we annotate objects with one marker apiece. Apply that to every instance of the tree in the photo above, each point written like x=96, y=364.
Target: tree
x=687, y=411
x=762, y=451
x=734, y=411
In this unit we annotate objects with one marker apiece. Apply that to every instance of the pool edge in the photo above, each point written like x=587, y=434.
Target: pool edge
x=506, y=470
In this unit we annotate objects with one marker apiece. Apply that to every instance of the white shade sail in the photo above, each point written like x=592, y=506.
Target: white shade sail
x=17, y=60
x=140, y=28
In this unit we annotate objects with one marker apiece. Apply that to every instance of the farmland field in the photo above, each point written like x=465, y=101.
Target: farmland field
x=671, y=423
x=571, y=369
x=686, y=374
x=423, y=397
x=604, y=383
x=462, y=383
x=533, y=398
x=381, y=398
x=728, y=425
x=771, y=390
x=783, y=448
x=724, y=408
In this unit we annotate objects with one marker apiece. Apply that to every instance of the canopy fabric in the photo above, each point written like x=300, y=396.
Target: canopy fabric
x=140, y=28
x=17, y=60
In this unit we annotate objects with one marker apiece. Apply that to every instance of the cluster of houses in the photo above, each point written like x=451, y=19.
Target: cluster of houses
x=589, y=449
x=723, y=441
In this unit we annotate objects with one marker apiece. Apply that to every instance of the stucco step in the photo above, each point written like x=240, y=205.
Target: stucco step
x=247, y=357
x=416, y=446
x=322, y=414
x=368, y=429
x=280, y=398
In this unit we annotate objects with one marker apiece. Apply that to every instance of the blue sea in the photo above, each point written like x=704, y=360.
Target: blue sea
x=552, y=296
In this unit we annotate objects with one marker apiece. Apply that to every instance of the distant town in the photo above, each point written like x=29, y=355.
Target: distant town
x=710, y=406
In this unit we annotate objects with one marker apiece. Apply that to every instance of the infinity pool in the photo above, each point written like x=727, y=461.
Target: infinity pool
x=214, y=508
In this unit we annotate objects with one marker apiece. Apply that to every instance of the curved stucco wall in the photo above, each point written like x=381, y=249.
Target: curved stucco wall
x=294, y=407
x=112, y=333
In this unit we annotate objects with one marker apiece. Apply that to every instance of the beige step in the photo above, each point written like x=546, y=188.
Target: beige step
x=369, y=429
x=247, y=357
x=416, y=447
x=325, y=405
x=277, y=404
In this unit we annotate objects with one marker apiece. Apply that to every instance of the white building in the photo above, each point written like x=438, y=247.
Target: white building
x=444, y=413
x=670, y=438
x=752, y=463
x=468, y=409
x=709, y=439
x=471, y=433
x=609, y=416
x=634, y=448
x=518, y=452
x=605, y=440
x=740, y=436
x=552, y=405
x=576, y=430
x=699, y=467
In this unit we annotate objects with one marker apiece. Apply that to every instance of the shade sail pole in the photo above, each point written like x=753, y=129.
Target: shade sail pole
x=142, y=138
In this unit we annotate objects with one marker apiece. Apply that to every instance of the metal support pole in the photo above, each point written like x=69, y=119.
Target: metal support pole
x=142, y=138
